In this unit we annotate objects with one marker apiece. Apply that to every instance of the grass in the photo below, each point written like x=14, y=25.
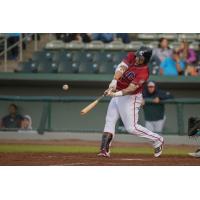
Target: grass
x=24, y=148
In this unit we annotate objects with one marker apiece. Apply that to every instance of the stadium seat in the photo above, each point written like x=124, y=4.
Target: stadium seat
x=187, y=36
x=55, y=44
x=62, y=56
x=106, y=67
x=147, y=36
x=88, y=55
x=77, y=56
x=42, y=55
x=194, y=45
x=118, y=56
x=133, y=45
x=47, y=67
x=88, y=67
x=74, y=45
x=115, y=45
x=169, y=36
x=68, y=67
x=94, y=45
x=27, y=67
x=153, y=44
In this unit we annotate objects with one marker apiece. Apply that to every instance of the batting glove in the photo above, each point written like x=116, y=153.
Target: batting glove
x=115, y=94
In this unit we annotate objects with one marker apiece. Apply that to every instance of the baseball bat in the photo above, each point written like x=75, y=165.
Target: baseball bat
x=91, y=105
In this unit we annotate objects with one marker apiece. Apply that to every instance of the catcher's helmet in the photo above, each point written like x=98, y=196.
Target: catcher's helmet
x=145, y=52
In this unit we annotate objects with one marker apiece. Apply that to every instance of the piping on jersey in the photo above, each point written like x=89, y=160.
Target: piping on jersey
x=141, y=130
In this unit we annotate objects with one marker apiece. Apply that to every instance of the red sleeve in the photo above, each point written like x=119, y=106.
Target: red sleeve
x=129, y=59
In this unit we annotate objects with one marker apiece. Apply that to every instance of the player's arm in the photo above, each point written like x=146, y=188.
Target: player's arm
x=121, y=68
x=127, y=91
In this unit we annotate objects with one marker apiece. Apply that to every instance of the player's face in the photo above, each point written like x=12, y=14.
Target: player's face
x=139, y=60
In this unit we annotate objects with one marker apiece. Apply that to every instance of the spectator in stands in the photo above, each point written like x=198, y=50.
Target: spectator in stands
x=163, y=51
x=26, y=123
x=13, y=119
x=198, y=60
x=154, y=122
x=172, y=66
x=68, y=37
x=12, y=39
x=124, y=37
x=188, y=55
x=104, y=37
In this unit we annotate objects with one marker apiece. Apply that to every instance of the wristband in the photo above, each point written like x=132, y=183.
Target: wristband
x=118, y=94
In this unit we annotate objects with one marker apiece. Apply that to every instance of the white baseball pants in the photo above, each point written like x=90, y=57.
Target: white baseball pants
x=127, y=107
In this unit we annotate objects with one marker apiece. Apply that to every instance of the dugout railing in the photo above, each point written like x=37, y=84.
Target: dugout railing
x=50, y=111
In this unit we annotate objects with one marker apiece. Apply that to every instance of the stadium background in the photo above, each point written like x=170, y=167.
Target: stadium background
x=46, y=63
x=34, y=78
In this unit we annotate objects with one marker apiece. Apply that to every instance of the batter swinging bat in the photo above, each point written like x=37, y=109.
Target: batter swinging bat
x=91, y=105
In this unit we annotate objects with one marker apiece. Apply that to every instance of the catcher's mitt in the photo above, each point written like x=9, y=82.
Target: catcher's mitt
x=194, y=126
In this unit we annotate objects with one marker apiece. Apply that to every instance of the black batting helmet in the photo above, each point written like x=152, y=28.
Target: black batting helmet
x=145, y=52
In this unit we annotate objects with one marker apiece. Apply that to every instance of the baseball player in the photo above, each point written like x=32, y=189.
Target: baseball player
x=126, y=92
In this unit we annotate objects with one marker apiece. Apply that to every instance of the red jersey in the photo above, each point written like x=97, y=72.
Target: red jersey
x=133, y=74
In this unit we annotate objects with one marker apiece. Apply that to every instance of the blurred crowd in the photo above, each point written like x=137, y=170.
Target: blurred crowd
x=165, y=61
x=173, y=62
x=88, y=37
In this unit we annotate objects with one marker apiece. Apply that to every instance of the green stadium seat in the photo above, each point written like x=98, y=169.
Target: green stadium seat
x=88, y=67
x=42, y=55
x=68, y=67
x=77, y=56
x=27, y=67
x=106, y=67
x=47, y=67
x=60, y=56
x=118, y=56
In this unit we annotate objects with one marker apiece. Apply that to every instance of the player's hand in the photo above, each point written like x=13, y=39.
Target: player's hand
x=114, y=94
x=108, y=91
x=113, y=84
